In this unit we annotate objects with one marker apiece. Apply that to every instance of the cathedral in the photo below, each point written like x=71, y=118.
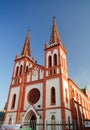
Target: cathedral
x=45, y=92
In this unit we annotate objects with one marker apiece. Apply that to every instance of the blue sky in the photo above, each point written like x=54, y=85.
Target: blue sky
x=73, y=21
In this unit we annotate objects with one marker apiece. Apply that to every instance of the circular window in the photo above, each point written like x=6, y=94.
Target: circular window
x=33, y=95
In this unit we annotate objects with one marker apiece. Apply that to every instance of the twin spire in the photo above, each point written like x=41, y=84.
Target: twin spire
x=26, y=47
x=54, y=38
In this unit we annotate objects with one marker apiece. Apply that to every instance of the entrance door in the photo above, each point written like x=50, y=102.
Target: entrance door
x=33, y=122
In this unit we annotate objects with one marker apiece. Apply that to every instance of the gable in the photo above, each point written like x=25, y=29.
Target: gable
x=35, y=73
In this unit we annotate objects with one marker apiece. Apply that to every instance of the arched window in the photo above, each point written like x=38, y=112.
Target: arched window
x=53, y=122
x=52, y=117
x=17, y=69
x=26, y=68
x=10, y=121
x=53, y=96
x=55, y=59
x=20, y=69
x=68, y=119
x=66, y=94
x=50, y=61
x=13, y=101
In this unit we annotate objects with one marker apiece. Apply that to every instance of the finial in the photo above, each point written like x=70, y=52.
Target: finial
x=54, y=18
x=28, y=32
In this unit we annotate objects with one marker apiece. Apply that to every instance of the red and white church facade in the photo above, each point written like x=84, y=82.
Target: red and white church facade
x=45, y=92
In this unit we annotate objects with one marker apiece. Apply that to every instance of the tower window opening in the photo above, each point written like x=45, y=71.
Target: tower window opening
x=55, y=59
x=26, y=68
x=50, y=61
x=53, y=96
x=54, y=71
x=20, y=69
x=17, y=69
x=50, y=72
x=13, y=101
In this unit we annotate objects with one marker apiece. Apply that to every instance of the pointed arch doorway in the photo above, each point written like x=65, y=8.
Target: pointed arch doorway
x=33, y=122
x=30, y=117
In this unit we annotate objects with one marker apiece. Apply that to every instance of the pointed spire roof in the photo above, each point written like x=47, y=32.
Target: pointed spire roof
x=54, y=38
x=26, y=47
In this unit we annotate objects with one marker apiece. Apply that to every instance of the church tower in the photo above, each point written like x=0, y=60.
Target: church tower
x=15, y=101
x=56, y=93
x=40, y=92
x=44, y=94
